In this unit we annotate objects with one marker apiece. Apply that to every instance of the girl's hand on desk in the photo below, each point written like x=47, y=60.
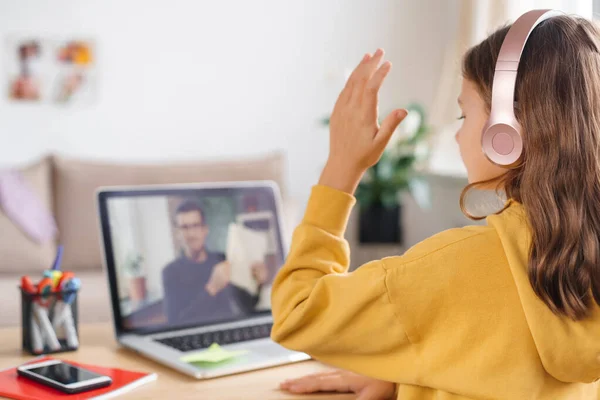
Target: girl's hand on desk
x=356, y=140
x=343, y=382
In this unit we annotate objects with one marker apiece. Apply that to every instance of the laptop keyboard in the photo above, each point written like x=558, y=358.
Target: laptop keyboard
x=203, y=340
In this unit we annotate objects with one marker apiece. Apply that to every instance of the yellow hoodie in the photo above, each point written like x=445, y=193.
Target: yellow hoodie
x=453, y=318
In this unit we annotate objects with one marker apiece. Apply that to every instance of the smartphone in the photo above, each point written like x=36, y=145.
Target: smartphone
x=63, y=376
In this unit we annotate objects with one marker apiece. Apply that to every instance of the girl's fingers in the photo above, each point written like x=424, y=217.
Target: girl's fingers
x=359, y=70
x=389, y=125
x=287, y=383
x=370, y=67
x=372, y=89
x=364, y=74
x=329, y=383
x=374, y=392
x=352, y=79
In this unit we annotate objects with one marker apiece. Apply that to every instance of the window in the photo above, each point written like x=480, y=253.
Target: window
x=582, y=8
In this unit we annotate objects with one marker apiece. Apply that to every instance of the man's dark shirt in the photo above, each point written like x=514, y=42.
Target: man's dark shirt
x=186, y=300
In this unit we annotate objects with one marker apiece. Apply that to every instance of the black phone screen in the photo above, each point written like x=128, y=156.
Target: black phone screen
x=64, y=373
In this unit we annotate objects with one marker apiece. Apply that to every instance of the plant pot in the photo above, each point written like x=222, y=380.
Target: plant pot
x=137, y=288
x=379, y=224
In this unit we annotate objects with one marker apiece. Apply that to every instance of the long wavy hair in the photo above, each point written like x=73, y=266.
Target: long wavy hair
x=558, y=181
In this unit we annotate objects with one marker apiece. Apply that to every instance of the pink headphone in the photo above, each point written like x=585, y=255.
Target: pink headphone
x=501, y=139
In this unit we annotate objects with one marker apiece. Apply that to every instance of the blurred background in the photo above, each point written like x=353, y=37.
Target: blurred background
x=190, y=79
x=136, y=92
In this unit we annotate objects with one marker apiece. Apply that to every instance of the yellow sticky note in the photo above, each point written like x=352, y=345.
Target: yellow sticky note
x=214, y=354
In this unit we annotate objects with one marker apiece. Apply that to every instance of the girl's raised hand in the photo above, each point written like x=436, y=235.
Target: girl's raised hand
x=356, y=140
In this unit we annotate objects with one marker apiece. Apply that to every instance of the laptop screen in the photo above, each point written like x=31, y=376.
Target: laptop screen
x=188, y=257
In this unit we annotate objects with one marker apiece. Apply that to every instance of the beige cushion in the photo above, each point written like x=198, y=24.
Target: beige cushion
x=18, y=252
x=76, y=182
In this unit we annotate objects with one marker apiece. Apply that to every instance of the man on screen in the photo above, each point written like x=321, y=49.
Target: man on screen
x=197, y=285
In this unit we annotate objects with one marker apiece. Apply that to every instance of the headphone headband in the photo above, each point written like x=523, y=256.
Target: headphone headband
x=501, y=140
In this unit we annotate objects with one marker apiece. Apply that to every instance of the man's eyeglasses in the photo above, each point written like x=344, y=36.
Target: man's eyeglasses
x=187, y=227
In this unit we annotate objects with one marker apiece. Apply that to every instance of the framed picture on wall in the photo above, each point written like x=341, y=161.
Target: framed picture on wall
x=58, y=71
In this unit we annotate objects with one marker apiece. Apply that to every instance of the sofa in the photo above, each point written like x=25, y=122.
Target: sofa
x=67, y=186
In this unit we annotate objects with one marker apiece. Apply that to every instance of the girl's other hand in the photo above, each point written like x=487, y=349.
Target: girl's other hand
x=356, y=140
x=343, y=382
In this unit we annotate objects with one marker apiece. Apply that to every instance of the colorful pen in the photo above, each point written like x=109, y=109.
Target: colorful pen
x=54, y=272
x=74, y=285
x=40, y=308
x=58, y=259
x=36, y=334
x=63, y=315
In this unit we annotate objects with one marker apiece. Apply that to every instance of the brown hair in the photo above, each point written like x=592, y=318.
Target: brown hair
x=558, y=180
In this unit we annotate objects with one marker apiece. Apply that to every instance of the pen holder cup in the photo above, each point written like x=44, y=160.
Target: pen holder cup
x=49, y=322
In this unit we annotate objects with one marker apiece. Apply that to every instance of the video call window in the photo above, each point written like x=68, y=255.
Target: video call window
x=196, y=259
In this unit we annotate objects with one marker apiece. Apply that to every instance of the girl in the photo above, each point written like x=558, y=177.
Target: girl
x=503, y=311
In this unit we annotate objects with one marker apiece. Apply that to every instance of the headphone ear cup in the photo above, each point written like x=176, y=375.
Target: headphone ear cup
x=502, y=144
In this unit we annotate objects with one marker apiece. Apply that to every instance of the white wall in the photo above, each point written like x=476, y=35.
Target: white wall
x=154, y=230
x=125, y=239
x=197, y=79
x=142, y=226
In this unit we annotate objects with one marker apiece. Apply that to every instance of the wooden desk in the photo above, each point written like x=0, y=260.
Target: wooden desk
x=99, y=347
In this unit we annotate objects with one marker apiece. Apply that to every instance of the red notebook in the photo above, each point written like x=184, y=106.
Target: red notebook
x=17, y=387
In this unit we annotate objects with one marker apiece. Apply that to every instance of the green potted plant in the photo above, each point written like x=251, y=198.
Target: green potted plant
x=379, y=194
x=135, y=273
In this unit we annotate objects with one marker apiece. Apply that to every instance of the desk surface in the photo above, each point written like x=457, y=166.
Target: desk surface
x=99, y=347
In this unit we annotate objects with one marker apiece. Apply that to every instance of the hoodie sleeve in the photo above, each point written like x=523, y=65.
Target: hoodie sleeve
x=344, y=319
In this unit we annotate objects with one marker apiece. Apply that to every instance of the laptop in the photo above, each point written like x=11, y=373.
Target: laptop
x=190, y=268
